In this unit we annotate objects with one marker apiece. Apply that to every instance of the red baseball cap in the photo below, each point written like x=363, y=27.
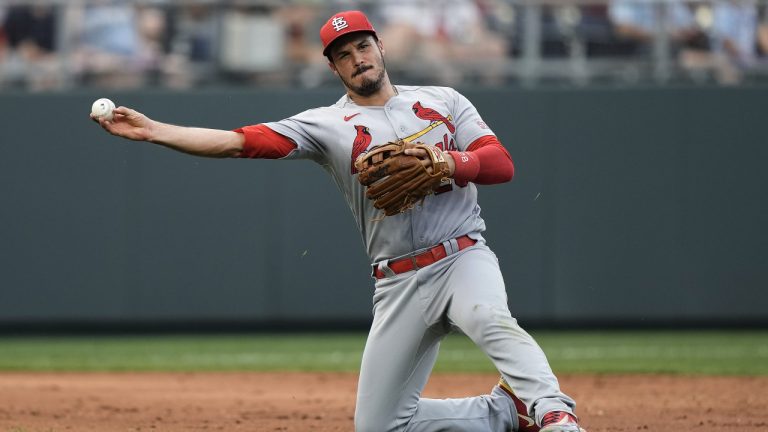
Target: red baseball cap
x=344, y=23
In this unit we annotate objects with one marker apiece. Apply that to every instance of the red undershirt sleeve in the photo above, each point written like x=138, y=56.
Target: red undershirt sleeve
x=261, y=142
x=486, y=161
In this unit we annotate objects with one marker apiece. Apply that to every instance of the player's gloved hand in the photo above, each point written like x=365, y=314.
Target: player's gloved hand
x=400, y=174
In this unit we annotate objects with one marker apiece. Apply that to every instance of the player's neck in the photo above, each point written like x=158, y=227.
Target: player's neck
x=380, y=98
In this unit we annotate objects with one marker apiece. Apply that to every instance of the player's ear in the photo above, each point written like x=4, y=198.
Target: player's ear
x=333, y=68
x=381, y=46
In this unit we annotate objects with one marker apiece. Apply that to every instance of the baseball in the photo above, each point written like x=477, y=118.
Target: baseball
x=103, y=108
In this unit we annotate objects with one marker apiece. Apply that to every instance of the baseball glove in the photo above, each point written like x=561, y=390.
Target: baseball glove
x=397, y=181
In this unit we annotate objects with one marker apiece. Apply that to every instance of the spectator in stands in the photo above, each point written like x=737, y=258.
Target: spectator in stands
x=559, y=26
x=152, y=28
x=762, y=31
x=639, y=21
x=302, y=23
x=31, y=35
x=252, y=48
x=734, y=37
x=192, y=45
x=3, y=42
x=671, y=22
x=600, y=34
x=110, y=49
x=447, y=39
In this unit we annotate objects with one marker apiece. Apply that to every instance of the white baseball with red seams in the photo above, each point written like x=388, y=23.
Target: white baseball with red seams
x=415, y=310
x=102, y=108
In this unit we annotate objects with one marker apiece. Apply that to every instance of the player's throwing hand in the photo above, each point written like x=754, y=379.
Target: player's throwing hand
x=126, y=123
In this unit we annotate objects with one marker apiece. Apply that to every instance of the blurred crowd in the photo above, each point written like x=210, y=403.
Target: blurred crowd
x=122, y=44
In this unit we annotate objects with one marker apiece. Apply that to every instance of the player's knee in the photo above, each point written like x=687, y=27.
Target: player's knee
x=372, y=424
x=364, y=426
x=376, y=411
x=369, y=417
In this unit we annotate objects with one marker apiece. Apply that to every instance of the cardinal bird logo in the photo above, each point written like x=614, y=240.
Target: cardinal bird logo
x=433, y=116
x=361, y=142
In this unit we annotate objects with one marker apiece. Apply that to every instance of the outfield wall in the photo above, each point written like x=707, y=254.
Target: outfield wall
x=629, y=206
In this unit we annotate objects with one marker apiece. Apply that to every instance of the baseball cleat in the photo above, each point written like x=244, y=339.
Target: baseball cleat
x=560, y=421
x=526, y=422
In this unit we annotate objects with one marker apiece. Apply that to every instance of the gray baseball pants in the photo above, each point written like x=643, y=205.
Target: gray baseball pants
x=412, y=313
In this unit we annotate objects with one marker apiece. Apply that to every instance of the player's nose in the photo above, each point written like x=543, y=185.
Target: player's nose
x=359, y=62
x=358, y=58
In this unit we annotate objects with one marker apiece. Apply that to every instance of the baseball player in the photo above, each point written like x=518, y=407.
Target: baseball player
x=432, y=269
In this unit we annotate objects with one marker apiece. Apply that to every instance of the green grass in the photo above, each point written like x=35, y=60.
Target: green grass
x=729, y=353
x=679, y=352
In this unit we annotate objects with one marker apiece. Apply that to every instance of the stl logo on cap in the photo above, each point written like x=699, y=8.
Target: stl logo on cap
x=339, y=23
x=343, y=23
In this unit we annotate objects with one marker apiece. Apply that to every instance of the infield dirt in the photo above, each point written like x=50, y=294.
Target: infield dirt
x=105, y=402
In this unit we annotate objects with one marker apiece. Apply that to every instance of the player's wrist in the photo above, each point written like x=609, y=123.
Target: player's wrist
x=466, y=167
x=150, y=129
x=451, y=163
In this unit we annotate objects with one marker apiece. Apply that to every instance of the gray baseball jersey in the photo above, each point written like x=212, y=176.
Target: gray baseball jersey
x=414, y=310
x=334, y=136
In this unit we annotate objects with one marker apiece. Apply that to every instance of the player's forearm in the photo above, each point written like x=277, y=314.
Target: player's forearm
x=197, y=141
x=486, y=161
x=496, y=165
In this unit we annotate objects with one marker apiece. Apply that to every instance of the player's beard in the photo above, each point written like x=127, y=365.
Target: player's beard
x=368, y=86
